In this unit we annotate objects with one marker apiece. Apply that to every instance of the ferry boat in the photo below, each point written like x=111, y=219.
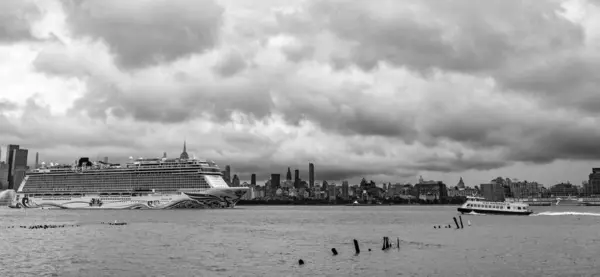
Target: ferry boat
x=479, y=205
x=139, y=184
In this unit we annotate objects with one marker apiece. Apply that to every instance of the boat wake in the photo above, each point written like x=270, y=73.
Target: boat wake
x=566, y=213
x=474, y=213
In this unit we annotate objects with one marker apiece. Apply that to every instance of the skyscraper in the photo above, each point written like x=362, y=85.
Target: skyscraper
x=19, y=167
x=37, y=159
x=296, y=178
x=275, y=182
x=288, y=177
x=236, y=181
x=253, y=179
x=105, y=160
x=311, y=175
x=345, y=187
x=227, y=176
x=9, y=160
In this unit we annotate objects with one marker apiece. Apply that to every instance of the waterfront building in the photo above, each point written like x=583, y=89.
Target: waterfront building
x=296, y=178
x=430, y=190
x=311, y=175
x=253, y=179
x=492, y=192
x=524, y=189
x=460, y=190
x=564, y=189
x=593, y=185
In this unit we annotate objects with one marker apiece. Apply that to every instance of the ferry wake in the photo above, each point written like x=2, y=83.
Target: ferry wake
x=139, y=184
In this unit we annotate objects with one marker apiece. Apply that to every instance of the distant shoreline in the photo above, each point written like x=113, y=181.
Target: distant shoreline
x=319, y=203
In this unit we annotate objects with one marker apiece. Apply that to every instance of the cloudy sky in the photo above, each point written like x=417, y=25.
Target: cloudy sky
x=386, y=89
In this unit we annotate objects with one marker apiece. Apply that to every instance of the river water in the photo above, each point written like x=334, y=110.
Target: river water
x=269, y=241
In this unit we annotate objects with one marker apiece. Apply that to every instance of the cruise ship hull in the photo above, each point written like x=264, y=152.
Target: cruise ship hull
x=209, y=198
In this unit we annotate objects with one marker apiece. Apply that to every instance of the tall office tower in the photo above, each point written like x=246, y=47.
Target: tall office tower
x=37, y=160
x=236, y=181
x=9, y=160
x=296, y=178
x=288, y=176
x=253, y=179
x=311, y=175
x=275, y=181
x=105, y=160
x=227, y=176
x=19, y=167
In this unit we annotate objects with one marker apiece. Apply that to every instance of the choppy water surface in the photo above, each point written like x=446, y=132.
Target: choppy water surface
x=268, y=241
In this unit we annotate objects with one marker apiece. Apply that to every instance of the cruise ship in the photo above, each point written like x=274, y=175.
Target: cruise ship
x=156, y=183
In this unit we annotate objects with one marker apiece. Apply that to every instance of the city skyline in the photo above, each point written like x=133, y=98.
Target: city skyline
x=359, y=88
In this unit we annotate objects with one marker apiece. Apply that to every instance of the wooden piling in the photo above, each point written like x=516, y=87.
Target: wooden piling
x=456, y=221
x=398, y=242
x=461, y=223
x=356, y=247
x=334, y=251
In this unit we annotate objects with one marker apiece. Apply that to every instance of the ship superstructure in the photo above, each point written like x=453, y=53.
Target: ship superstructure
x=156, y=183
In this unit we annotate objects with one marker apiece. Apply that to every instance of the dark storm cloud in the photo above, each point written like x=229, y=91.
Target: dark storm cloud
x=153, y=104
x=566, y=140
x=528, y=136
x=568, y=80
x=15, y=20
x=478, y=127
x=142, y=33
x=457, y=164
x=350, y=111
x=37, y=130
x=230, y=65
x=467, y=36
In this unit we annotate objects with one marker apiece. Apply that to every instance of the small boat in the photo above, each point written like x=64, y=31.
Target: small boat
x=480, y=206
